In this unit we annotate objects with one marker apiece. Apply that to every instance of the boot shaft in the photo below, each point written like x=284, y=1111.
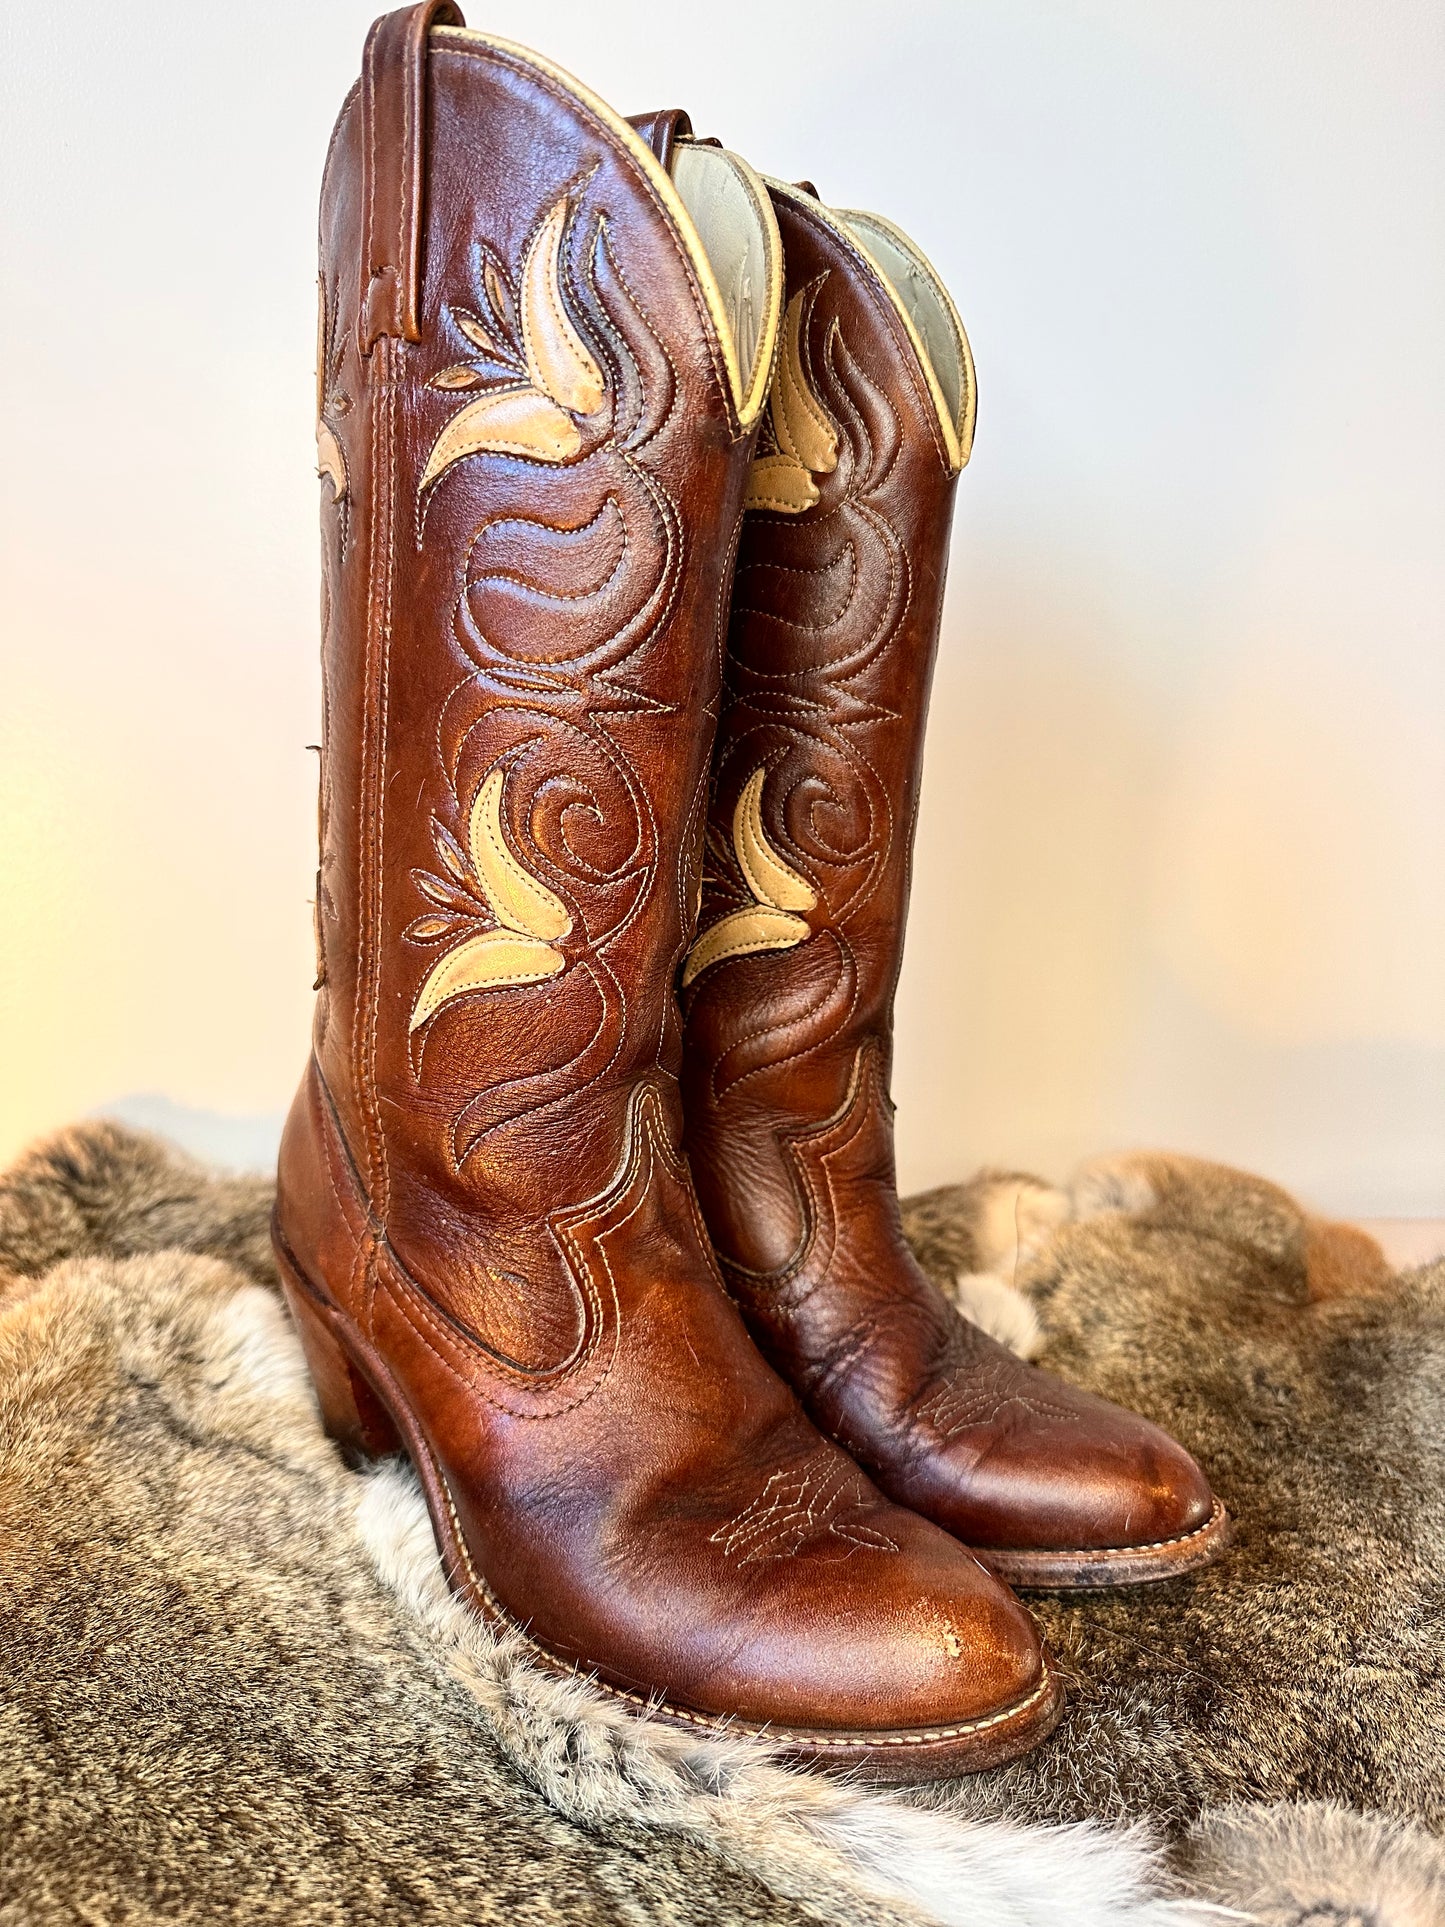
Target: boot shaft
x=538, y=393
x=789, y=988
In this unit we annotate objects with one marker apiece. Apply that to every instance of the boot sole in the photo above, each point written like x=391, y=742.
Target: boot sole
x=363, y=1410
x=1093, y=1568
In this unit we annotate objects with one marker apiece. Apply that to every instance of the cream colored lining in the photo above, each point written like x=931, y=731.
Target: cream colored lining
x=748, y=373
x=726, y=201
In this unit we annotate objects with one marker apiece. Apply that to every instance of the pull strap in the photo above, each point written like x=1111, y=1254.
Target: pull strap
x=393, y=139
x=662, y=131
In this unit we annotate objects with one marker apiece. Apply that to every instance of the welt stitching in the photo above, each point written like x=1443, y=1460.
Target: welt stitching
x=1126, y=1552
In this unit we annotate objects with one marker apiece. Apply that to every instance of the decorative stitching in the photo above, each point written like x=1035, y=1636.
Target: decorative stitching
x=391, y=352
x=607, y=135
x=839, y=237
x=798, y=1505
x=764, y=1030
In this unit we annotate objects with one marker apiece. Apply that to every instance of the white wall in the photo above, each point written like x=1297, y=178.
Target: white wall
x=1179, y=877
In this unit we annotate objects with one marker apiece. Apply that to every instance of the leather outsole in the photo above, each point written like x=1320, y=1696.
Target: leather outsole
x=364, y=1410
x=1061, y=1570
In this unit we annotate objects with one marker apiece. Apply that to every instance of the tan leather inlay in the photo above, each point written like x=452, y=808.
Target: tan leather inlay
x=771, y=922
x=768, y=877
x=330, y=460
x=518, y=900
x=803, y=441
x=531, y=916
x=487, y=961
x=557, y=357
x=533, y=417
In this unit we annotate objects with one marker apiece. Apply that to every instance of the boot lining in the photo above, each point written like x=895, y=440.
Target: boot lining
x=917, y=287
x=722, y=195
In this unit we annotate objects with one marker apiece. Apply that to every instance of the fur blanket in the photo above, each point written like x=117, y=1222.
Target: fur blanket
x=236, y=1688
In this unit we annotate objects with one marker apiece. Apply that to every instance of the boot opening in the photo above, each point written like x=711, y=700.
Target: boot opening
x=936, y=327
x=728, y=207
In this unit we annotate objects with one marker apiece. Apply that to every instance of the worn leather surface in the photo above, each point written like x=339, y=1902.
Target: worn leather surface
x=789, y=1121
x=524, y=617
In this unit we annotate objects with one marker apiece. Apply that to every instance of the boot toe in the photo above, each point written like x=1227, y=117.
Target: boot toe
x=915, y=1664
x=919, y=1667
x=1148, y=1492
x=907, y=1632
x=1103, y=1480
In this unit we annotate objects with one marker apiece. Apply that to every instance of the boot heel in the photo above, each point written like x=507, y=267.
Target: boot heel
x=351, y=1412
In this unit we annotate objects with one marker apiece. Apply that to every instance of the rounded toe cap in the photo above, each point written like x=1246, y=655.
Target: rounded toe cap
x=1102, y=1480
x=909, y=1632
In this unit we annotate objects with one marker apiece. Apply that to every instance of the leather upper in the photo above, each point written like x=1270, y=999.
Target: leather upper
x=534, y=447
x=789, y=989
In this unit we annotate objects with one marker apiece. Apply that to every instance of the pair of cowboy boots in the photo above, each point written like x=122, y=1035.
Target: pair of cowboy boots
x=587, y=1198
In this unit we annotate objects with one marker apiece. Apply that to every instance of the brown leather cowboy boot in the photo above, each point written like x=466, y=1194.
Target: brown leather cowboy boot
x=789, y=988
x=543, y=362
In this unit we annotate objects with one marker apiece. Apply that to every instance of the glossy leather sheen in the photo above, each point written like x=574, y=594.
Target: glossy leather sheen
x=482, y=1197
x=789, y=1122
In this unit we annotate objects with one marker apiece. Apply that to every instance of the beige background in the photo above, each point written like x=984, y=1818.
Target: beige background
x=1179, y=876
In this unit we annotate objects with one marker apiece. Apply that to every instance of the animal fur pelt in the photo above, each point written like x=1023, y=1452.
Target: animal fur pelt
x=1309, y=1664
x=236, y=1688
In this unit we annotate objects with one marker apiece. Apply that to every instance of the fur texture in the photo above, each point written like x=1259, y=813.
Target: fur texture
x=237, y=1687
x=1309, y=1665
x=1318, y=1866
